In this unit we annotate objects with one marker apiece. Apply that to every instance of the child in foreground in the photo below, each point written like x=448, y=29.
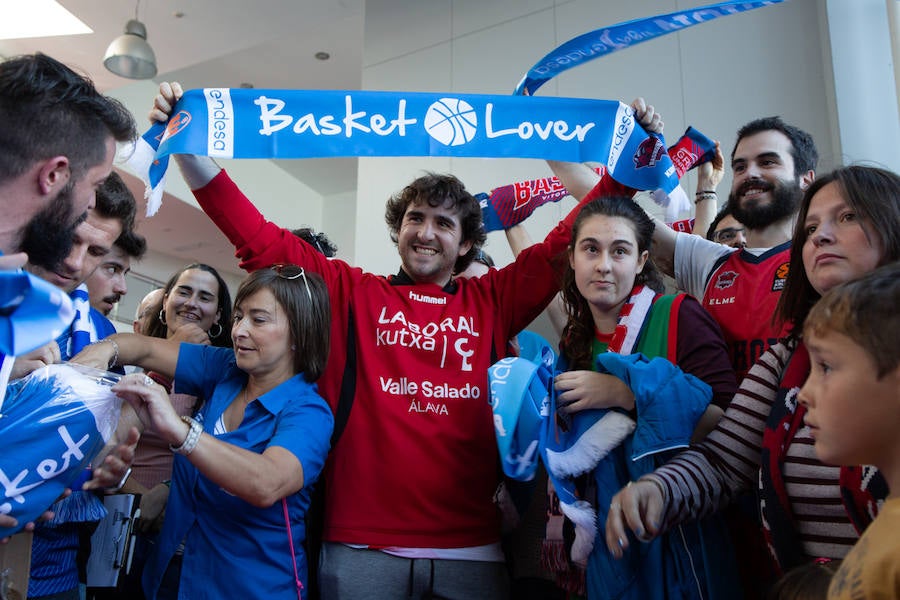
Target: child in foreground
x=852, y=398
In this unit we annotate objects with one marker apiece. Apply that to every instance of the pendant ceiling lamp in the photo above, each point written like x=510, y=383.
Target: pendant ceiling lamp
x=129, y=55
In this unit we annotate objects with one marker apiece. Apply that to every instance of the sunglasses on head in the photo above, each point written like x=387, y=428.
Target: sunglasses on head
x=292, y=272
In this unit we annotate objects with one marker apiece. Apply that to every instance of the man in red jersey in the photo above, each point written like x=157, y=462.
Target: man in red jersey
x=772, y=163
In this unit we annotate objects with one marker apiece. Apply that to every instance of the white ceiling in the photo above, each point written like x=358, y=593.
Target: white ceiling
x=222, y=43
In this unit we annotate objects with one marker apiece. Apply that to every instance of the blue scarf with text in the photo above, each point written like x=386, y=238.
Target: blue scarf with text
x=248, y=123
x=607, y=40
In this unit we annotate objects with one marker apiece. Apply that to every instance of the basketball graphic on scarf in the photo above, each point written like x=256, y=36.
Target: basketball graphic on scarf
x=451, y=121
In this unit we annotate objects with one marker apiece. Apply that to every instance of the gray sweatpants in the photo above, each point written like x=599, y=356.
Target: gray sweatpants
x=347, y=573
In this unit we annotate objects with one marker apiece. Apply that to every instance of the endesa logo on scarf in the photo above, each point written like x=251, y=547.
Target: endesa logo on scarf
x=220, y=140
x=241, y=123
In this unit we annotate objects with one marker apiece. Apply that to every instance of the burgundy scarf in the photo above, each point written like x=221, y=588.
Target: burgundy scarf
x=861, y=487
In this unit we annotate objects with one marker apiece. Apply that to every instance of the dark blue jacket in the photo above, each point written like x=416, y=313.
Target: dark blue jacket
x=686, y=562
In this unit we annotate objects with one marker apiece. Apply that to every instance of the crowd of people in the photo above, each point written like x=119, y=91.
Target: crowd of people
x=329, y=434
x=59, y=139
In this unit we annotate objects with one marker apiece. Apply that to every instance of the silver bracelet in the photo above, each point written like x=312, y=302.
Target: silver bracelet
x=193, y=437
x=121, y=483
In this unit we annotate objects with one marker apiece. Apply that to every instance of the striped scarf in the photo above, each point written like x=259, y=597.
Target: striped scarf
x=80, y=333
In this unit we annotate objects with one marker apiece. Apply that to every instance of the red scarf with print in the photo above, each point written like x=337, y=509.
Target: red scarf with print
x=862, y=487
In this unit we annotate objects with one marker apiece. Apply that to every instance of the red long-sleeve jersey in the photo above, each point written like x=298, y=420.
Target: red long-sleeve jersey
x=416, y=465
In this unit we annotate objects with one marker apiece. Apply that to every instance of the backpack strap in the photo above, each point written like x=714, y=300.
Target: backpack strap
x=315, y=513
x=348, y=385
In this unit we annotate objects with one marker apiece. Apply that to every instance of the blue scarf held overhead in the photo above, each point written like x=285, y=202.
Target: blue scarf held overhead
x=607, y=40
x=245, y=123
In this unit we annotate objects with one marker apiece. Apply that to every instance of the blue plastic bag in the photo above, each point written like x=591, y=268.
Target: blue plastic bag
x=53, y=423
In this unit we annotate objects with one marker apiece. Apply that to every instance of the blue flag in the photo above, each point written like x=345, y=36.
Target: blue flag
x=607, y=40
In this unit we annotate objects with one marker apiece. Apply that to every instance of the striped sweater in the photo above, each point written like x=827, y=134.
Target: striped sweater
x=707, y=477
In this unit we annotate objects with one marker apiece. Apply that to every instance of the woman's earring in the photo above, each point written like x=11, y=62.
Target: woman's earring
x=212, y=335
x=162, y=316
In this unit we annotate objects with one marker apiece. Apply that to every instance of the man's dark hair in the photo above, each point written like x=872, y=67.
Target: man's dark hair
x=115, y=201
x=440, y=190
x=725, y=212
x=803, y=149
x=47, y=109
x=317, y=240
x=479, y=255
x=133, y=244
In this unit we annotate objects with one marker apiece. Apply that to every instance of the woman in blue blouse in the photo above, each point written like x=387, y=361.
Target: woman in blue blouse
x=245, y=462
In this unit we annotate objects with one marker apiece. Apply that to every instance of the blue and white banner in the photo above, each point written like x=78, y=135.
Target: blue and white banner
x=247, y=123
x=607, y=40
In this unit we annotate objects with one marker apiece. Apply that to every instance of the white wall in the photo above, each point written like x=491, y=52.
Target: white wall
x=864, y=81
x=339, y=223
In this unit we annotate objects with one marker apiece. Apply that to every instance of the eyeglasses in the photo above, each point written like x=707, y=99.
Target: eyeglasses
x=727, y=235
x=292, y=272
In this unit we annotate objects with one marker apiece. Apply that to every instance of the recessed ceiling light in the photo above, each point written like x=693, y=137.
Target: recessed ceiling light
x=38, y=18
x=322, y=55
